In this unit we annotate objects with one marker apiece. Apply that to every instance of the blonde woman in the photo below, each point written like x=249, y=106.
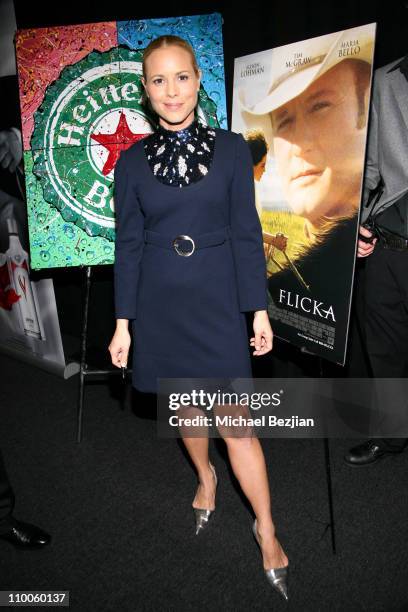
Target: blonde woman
x=189, y=263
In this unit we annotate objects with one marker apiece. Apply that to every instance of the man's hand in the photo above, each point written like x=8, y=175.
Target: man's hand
x=280, y=241
x=364, y=249
x=11, y=150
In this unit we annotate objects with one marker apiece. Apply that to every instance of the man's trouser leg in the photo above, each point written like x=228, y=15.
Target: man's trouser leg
x=386, y=320
x=6, y=498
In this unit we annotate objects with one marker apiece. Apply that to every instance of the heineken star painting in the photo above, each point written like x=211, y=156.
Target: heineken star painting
x=80, y=97
x=303, y=109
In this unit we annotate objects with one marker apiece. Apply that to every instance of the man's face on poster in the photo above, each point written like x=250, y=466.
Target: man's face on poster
x=318, y=141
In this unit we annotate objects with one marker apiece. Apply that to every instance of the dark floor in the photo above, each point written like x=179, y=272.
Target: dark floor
x=118, y=508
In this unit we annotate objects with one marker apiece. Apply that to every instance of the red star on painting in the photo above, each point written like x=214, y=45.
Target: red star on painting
x=119, y=141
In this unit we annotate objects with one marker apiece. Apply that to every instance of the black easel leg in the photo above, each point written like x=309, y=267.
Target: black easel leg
x=328, y=477
x=330, y=493
x=83, y=365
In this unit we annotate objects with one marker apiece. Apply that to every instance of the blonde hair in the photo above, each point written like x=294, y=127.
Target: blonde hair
x=169, y=41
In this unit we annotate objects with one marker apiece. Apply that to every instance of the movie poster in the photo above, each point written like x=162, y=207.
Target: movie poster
x=80, y=96
x=303, y=109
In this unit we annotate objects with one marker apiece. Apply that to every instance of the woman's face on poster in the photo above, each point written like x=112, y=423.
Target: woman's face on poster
x=319, y=145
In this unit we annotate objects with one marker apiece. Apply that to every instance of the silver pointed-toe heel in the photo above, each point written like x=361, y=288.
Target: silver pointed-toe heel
x=203, y=515
x=277, y=578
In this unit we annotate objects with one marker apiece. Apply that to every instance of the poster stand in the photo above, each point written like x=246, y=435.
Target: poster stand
x=326, y=449
x=84, y=370
x=331, y=525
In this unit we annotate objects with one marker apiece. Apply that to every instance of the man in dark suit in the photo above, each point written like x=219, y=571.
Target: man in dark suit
x=384, y=314
x=22, y=535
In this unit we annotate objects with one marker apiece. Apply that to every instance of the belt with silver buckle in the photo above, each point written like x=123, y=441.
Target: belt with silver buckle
x=185, y=245
x=388, y=240
x=177, y=243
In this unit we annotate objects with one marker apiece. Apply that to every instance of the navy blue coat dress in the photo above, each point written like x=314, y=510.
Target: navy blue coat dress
x=187, y=312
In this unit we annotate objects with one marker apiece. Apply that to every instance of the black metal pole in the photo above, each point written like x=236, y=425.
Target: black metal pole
x=83, y=365
x=330, y=493
x=329, y=478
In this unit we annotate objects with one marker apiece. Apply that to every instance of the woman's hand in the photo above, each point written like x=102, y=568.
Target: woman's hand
x=262, y=341
x=120, y=344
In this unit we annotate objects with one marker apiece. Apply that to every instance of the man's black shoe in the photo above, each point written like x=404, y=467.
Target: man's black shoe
x=24, y=535
x=368, y=452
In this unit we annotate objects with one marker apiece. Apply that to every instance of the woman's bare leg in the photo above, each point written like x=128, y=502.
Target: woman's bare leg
x=197, y=448
x=248, y=464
